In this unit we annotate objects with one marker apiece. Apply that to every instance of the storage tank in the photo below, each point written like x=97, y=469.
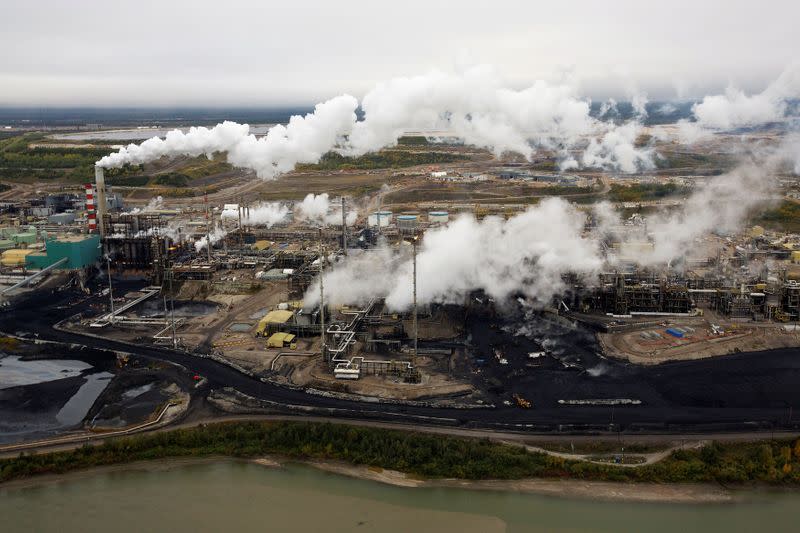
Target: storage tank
x=61, y=218
x=27, y=237
x=438, y=217
x=385, y=218
x=407, y=222
x=15, y=256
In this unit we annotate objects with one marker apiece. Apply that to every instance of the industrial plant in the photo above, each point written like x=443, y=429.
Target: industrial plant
x=274, y=288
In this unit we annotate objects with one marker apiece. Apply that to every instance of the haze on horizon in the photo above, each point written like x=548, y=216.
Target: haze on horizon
x=249, y=53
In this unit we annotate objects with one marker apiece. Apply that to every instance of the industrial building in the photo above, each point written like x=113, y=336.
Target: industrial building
x=80, y=251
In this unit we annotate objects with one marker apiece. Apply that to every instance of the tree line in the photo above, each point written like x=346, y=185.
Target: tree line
x=420, y=454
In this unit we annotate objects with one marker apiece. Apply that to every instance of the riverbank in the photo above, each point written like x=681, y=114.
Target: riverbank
x=594, y=490
x=397, y=456
x=628, y=492
x=567, y=488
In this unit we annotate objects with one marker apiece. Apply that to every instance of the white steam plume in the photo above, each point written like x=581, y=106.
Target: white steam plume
x=154, y=204
x=316, y=209
x=303, y=140
x=530, y=252
x=473, y=104
x=723, y=204
x=217, y=234
x=527, y=254
x=617, y=149
x=476, y=107
x=261, y=214
x=736, y=109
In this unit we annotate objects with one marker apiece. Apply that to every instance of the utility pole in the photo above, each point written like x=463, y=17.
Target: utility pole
x=240, y=228
x=208, y=227
x=172, y=306
x=416, y=331
x=110, y=290
x=344, y=229
x=322, y=294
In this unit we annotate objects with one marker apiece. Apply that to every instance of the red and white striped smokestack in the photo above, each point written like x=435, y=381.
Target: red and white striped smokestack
x=91, y=214
x=100, y=188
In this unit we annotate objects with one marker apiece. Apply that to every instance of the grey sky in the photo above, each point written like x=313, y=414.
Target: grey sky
x=233, y=52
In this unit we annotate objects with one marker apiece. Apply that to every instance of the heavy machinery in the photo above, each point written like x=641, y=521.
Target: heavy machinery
x=521, y=402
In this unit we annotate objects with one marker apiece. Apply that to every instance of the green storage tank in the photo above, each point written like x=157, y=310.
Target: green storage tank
x=81, y=251
x=28, y=237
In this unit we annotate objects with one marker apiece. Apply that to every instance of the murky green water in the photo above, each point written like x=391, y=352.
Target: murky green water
x=242, y=497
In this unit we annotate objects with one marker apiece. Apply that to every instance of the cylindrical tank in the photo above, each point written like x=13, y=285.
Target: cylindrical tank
x=438, y=217
x=385, y=218
x=407, y=222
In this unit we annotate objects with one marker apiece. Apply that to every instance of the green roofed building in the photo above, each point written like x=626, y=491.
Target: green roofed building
x=81, y=251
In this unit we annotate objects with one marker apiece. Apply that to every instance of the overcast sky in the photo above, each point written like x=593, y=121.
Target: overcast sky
x=233, y=52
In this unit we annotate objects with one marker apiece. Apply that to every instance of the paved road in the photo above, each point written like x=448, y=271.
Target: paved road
x=39, y=312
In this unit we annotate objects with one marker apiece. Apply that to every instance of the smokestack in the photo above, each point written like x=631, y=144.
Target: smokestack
x=91, y=211
x=100, y=189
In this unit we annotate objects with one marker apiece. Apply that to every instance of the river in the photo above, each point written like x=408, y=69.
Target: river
x=242, y=497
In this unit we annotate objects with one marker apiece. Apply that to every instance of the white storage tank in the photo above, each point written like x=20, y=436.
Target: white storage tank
x=438, y=217
x=385, y=218
x=407, y=222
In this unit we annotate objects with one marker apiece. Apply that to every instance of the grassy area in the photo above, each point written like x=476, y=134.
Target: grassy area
x=187, y=192
x=597, y=446
x=201, y=167
x=546, y=165
x=694, y=161
x=21, y=162
x=128, y=181
x=382, y=159
x=172, y=179
x=785, y=217
x=420, y=454
x=413, y=140
x=645, y=192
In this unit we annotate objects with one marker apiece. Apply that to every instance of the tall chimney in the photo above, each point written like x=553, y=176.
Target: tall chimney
x=100, y=186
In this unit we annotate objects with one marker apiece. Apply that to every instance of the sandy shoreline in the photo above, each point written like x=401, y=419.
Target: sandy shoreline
x=567, y=488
